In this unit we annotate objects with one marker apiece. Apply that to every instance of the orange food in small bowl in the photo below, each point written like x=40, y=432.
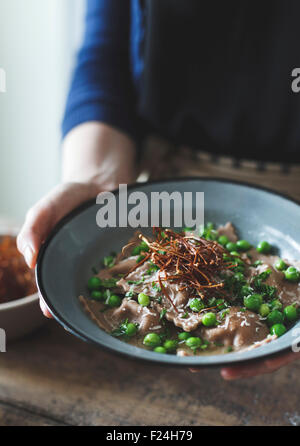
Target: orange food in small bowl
x=16, y=279
x=20, y=313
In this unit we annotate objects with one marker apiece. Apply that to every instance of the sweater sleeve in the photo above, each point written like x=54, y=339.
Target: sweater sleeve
x=102, y=86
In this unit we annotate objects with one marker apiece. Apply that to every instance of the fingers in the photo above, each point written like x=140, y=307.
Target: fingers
x=44, y=215
x=258, y=368
x=244, y=371
x=249, y=370
x=282, y=360
x=44, y=308
x=38, y=223
x=41, y=219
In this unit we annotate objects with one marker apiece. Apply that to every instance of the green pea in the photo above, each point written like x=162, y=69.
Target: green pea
x=170, y=344
x=264, y=247
x=152, y=340
x=278, y=330
x=209, y=319
x=292, y=274
x=280, y=265
x=275, y=317
x=276, y=304
x=243, y=245
x=131, y=329
x=234, y=253
x=231, y=246
x=193, y=342
x=97, y=295
x=183, y=336
x=291, y=313
x=113, y=301
x=253, y=302
x=94, y=283
x=196, y=305
x=160, y=349
x=143, y=300
x=223, y=240
x=264, y=310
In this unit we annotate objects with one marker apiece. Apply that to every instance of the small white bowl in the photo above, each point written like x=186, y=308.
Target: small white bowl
x=21, y=316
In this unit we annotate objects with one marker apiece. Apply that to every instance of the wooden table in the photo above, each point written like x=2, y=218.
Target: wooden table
x=52, y=378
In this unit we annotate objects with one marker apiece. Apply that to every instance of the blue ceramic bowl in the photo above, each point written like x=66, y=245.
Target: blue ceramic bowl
x=77, y=243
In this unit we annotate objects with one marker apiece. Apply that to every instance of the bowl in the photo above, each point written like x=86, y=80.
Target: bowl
x=77, y=243
x=21, y=316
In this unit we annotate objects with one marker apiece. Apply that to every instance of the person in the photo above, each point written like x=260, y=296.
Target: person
x=212, y=80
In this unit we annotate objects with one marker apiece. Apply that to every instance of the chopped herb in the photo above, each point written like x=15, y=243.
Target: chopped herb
x=229, y=349
x=135, y=282
x=109, y=283
x=223, y=313
x=212, y=302
x=162, y=314
x=126, y=329
x=107, y=295
x=94, y=270
x=156, y=287
x=165, y=334
x=142, y=247
x=139, y=259
x=208, y=232
x=104, y=309
x=268, y=291
x=152, y=269
x=263, y=276
x=185, y=315
x=205, y=344
x=120, y=331
x=109, y=261
x=129, y=294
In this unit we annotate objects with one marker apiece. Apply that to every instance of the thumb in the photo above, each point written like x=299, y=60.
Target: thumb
x=43, y=216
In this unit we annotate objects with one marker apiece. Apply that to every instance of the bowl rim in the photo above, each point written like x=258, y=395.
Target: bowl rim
x=17, y=303
x=91, y=202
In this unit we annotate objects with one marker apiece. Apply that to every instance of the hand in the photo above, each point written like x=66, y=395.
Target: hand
x=261, y=367
x=43, y=216
x=96, y=158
